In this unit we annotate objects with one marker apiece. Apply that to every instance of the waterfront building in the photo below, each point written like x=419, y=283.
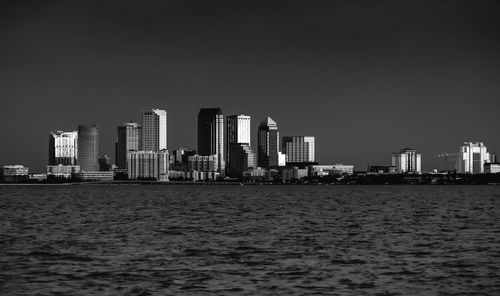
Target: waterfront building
x=62, y=171
x=203, y=163
x=242, y=158
x=104, y=163
x=179, y=159
x=88, y=147
x=211, y=135
x=269, y=154
x=129, y=139
x=491, y=168
x=493, y=158
x=256, y=174
x=238, y=129
x=299, y=149
x=154, y=130
x=14, y=173
x=63, y=148
x=382, y=169
x=148, y=165
x=332, y=169
x=95, y=176
x=407, y=161
x=293, y=173
x=472, y=157
x=38, y=177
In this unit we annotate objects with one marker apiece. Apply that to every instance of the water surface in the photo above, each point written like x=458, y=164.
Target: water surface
x=247, y=240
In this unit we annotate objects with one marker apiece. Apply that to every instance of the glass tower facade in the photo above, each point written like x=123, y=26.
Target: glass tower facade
x=268, y=144
x=154, y=130
x=88, y=147
x=211, y=134
x=129, y=139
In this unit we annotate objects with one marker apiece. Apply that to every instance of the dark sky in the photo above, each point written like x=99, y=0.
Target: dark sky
x=365, y=77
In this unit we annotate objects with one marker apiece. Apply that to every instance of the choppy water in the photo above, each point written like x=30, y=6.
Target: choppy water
x=265, y=240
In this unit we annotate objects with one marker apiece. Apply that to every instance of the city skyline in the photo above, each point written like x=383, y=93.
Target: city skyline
x=453, y=157
x=364, y=79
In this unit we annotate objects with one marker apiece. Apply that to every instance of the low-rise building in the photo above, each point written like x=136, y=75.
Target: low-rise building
x=294, y=174
x=14, y=173
x=332, y=169
x=492, y=168
x=62, y=171
x=382, y=169
x=95, y=175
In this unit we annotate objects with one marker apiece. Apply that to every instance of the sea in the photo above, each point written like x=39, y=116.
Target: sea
x=249, y=240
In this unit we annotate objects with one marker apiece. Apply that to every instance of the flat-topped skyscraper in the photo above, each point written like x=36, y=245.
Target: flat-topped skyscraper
x=129, y=139
x=299, y=149
x=238, y=138
x=211, y=134
x=154, y=130
x=88, y=147
x=63, y=148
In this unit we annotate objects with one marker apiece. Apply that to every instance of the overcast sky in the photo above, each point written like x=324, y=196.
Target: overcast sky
x=366, y=78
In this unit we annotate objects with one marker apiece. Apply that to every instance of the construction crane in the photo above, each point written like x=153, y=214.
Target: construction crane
x=446, y=158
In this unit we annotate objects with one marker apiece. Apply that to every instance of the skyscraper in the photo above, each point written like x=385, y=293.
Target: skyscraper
x=63, y=148
x=238, y=129
x=88, y=147
x=238, y=132
x=299, y=149
x=472, y=157
x=407, y=161
x=129, y=139
x=269, y=154
x=242, y=158
x=154, y=130
x=211, y=134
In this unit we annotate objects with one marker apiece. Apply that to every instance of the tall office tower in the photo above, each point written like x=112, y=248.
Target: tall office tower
x=129, y=139
x=299, y=149
x=211, y=135
x=407, y=161
x=63, y=148
x=88, y=147
x=154, y=130
x=237, y=131
x=242, y=158
x=269, y=154
x=472, y=157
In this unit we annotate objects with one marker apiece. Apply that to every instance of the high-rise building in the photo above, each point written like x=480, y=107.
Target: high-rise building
x=211, y=135
x=269, y=154
x=88, y=147
x=63, y=148
x=472, y=157
x=154, y=130
x=147, y=165
x=242, y=158
x=238, y=131
x=299, y=149
x=129, y=139
x=179, y=159
x=407, y=161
